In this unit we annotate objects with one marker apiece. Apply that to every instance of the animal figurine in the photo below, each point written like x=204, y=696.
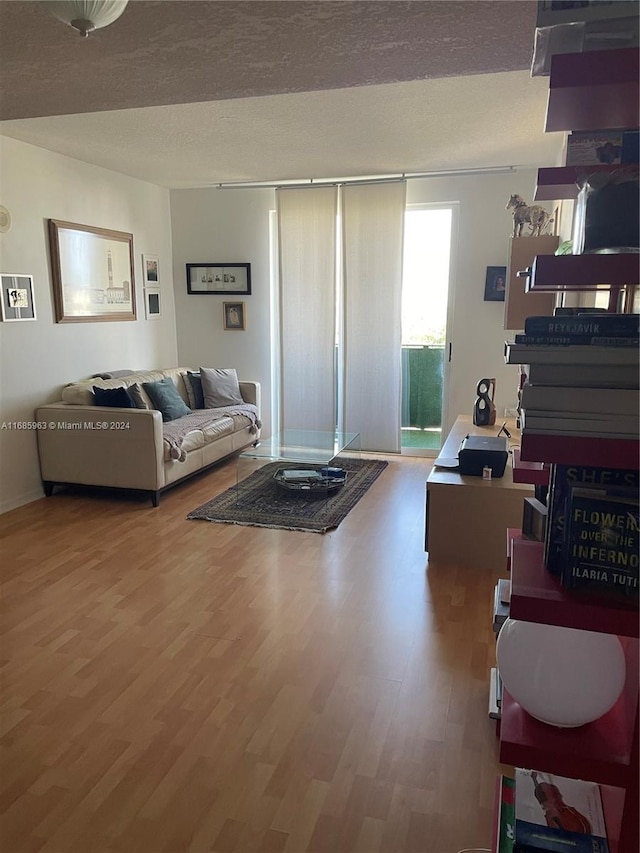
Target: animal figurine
x=537, y=217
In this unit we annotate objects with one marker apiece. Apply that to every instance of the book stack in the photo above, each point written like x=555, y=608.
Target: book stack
x=581, y=375
x=582, y=385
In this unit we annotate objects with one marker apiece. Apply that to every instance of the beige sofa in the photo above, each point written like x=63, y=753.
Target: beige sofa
x=81, y=443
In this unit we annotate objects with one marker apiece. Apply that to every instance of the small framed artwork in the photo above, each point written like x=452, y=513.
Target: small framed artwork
x=152, y=304
x=92, y=270
x=150, y=271
x=495, y=284
x=219, y=278
x=234, y=316
x=17, y=297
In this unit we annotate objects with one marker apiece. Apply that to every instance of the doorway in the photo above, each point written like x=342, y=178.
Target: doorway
x=425, y=299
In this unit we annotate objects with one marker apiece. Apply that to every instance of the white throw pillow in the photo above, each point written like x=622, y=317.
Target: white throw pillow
x=220, y=387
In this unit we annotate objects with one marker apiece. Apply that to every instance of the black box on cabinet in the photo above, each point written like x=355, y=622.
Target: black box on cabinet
x=478, y=452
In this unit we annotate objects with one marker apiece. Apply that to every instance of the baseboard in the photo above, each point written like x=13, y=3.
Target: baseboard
x=21, y=500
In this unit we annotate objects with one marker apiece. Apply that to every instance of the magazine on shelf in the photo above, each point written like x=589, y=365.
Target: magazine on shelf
x=556, y=814
x=602, y=542
x=563, y=479
x=506, y=815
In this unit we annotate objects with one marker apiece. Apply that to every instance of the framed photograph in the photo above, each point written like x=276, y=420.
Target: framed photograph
x=219, y=278
x=152, y=304
x=17, y=297
x=234, y=317
x=93, y=277
x=150, y=271
x=495, y=284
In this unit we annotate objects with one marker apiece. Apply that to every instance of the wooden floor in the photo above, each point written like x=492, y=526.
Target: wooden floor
x=173, y=685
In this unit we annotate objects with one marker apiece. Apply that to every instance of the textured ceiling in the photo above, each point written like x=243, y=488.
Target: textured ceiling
x=180, y=51
x=186, y=93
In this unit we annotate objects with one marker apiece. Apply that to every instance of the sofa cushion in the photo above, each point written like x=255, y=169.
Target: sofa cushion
x=165, y=397
x=112, y=374
x=114, y=397
x=138, y=398
x=81, y=393
x=220, y=387
x=193, y=383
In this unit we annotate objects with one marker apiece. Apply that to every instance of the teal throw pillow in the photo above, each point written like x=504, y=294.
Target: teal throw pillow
x=165, y=397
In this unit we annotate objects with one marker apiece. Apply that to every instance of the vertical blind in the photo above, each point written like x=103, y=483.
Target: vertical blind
x=365, y=295
x=307, y=251
x=373, y=229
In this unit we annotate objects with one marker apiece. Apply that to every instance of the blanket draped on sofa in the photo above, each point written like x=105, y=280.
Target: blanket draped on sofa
x=174, y=432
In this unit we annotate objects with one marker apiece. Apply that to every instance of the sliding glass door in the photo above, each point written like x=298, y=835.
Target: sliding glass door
x=425, y=298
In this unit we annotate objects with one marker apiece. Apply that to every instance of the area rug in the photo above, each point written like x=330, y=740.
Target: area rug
x=259, y=501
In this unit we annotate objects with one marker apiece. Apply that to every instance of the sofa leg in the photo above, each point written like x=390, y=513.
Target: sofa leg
x=48, y=487
x=155, y=498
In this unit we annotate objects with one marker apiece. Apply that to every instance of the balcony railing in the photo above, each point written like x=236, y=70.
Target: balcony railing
x=422, y=378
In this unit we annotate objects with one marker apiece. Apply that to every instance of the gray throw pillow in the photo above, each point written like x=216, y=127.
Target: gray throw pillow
x=220, y=387
x=135, y=392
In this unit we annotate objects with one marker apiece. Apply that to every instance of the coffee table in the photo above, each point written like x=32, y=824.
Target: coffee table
x=302, y=447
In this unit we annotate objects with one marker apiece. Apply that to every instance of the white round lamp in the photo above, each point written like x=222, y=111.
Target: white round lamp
x=561, y=676
x=88, y=15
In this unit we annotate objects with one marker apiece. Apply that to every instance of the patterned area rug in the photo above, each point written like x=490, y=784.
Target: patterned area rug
x=259, y=501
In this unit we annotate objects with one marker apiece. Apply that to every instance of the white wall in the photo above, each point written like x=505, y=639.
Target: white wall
x=484, y=228
x=38, y=358
x=221, y=226
x=232, y=225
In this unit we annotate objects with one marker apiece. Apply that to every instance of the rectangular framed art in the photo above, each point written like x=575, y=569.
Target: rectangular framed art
x=495, y=284
x=150, y=271
x=219, y=278
x=234, y=316
x=152, y=304
x=93, y=277
x=17, y=297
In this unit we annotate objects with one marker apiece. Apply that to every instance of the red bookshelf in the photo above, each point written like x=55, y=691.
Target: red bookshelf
x=538, y=596
x=601, y=751
x=560, y=182
x=534, y=473
x=582, y=272
x=613, y=807
x=595, y=90
x=580, y=450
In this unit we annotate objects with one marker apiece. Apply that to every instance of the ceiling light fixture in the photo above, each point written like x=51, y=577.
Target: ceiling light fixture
x=88, y=15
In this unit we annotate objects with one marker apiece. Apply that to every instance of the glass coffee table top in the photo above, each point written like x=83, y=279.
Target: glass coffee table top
x=311, y=446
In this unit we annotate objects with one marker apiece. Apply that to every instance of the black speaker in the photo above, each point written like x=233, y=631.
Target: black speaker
x=484, y=410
